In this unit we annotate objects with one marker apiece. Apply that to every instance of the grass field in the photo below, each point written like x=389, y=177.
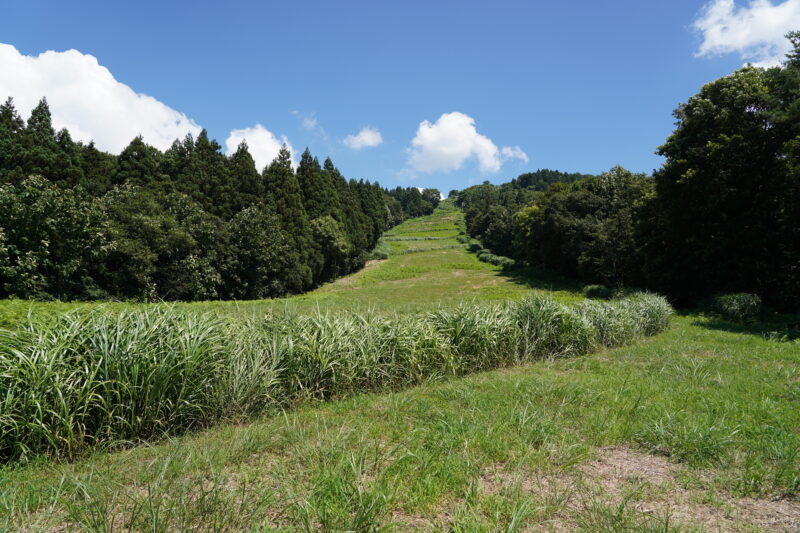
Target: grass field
x=696, y=429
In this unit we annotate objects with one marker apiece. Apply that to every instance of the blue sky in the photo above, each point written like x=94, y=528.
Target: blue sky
x=506, y=86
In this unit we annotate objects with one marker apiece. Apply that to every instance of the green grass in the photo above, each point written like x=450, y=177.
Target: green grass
x=721, y=406
x=504, y=450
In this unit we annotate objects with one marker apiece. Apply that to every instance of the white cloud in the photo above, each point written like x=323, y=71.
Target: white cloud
x=310, y=123
x=85, y=98
x=756, y=32
x=514, y=152
x=261, y=143
x=366, y=138
x=445, y=145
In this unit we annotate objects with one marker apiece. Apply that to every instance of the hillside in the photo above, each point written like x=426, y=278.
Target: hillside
x=669, y=434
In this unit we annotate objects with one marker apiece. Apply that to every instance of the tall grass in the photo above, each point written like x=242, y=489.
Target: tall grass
x=83, y=379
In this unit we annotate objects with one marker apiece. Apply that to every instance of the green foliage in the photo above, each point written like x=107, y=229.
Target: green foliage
x=728, y=195
x=75, y=380
x=416, y=203
x=489, y=209
x=381, y=251
x=51, y=240
x=587, y=229
x=488, y=257
x=738, y=306
x=721, y=215
x=600, y=292
x=260, y=255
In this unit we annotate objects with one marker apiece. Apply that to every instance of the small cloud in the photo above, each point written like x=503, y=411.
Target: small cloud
x=513, y=152
x=756, y=32
x=262, y=144
x=308, y=121
x=366, y=138
x=444, y=146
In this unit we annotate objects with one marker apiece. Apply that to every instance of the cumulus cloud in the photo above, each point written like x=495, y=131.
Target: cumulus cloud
x=262, y=144
x=756, y=31
x=85, y=98
x=445, y=145
x=366, y=138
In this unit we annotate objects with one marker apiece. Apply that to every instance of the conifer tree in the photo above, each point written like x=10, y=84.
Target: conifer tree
x=39, y=140
x=207, y=172
x=246, y=181
x=68, y=161
x=99, y=169
x=283, y=193
x=319, y=196
x=137, y=164
x=11, y=128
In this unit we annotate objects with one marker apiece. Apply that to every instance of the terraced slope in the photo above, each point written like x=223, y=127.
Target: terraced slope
x=427, y=266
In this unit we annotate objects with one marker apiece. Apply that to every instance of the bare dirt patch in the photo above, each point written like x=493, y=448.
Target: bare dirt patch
x=649, y=487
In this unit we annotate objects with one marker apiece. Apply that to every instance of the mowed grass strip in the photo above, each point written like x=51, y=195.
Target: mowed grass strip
x=703, y=422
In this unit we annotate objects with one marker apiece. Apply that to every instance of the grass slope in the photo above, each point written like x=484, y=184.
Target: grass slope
x=695, y=429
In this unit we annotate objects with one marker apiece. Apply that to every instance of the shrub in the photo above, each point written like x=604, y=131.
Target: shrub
x=480, y=337
x=615, y=323
x=551, y=329
x=381, y=251
x=737, y=306
x=486, y=256
x=651, y=310
x=598, y=291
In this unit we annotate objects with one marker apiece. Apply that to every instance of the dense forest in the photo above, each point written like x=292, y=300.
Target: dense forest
x=187, y=224
x=722, y=214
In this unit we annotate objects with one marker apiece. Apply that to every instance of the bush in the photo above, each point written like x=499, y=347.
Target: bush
x=598, y=292
x=616, y=324
x=737, y=306
x=463, y=239
x=623, y=321
x=551, y=329
x=381, y=251
x=80, y=379
x=486, y=256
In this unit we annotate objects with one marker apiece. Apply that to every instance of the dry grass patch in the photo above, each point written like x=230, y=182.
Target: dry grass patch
x=621, y=480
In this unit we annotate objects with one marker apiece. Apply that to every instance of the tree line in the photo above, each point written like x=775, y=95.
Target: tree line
x=721, y=215
x=188, y=223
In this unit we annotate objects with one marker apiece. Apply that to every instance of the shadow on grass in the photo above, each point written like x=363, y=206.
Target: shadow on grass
x=540, y=278
x=780, y=327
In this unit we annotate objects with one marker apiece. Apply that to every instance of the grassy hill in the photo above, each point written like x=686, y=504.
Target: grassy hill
x=695, y=429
